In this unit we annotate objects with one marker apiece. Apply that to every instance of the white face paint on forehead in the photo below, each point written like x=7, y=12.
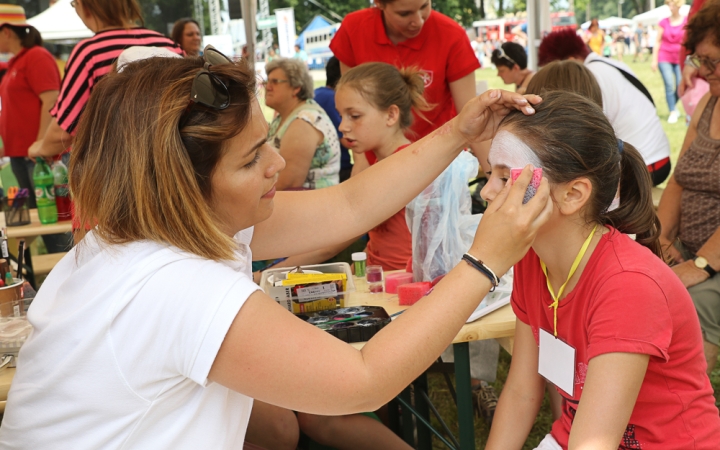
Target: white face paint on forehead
x=509, y=151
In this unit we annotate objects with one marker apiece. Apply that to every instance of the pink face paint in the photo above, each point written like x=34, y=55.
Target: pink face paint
x=534, y=183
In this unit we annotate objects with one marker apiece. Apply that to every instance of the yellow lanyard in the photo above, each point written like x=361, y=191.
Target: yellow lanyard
x=573, y=268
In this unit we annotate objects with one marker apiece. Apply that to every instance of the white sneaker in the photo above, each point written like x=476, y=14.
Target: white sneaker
x=673, y=117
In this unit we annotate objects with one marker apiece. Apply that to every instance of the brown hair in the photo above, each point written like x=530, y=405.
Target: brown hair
x=135, y=176
x=384, y=85
x=179, y=27
x=566, y=75
x=115, y=13
x=703, y=24
x=573, y=138
x=29, y=35
x=297, y=73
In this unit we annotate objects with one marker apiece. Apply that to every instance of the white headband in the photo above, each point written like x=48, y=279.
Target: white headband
x=508, y=150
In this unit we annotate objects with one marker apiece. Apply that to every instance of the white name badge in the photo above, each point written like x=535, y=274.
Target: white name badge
x=557, y=362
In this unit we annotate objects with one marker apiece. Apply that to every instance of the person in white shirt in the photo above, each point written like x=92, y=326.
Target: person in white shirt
x=151, y=334
x=626, y=102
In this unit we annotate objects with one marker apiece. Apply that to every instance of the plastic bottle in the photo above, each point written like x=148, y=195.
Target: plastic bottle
x=359, y=260
x=62, y=191
x=44, y=192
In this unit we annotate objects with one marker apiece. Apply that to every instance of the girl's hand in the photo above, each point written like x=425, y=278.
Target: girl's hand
x=508, y=227
x=480, y=117
x=654, y=66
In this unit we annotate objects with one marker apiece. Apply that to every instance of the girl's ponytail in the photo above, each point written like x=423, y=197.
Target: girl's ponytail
x=636, y=213
x=384, y=85
x=416, y=90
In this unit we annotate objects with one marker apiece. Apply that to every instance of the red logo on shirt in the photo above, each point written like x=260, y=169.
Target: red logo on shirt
x=427, y=76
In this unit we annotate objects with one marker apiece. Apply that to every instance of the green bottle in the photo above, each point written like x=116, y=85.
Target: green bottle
x=44, y=192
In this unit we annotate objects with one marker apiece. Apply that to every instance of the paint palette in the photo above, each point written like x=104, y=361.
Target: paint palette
x=353, y=324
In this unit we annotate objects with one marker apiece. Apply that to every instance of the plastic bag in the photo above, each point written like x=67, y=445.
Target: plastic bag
x=440, y=220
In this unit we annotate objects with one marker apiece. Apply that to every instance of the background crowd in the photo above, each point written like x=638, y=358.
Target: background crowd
x=374, y=106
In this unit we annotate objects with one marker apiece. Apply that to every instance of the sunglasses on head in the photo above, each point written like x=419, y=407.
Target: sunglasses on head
x=500, y=53
x=207, y=89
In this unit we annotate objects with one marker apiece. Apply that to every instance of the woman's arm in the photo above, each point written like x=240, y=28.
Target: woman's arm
x=522, y=395
x=297, y=147
x=56, y=140
x=656, y=48
x=669, y=207
x=47, y=100
x=305, y=221
x=308, y=363
x=611, y=388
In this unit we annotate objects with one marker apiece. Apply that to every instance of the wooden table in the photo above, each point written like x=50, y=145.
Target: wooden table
x=6, y=377
x=499, y=324
x=35, y=228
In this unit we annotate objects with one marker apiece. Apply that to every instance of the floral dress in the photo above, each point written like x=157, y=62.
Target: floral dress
x=325, y=165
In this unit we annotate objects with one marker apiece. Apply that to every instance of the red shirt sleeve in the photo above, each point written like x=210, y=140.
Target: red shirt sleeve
x=462, y=60
x=44, y=75
x=341, y=44
x=623, y=302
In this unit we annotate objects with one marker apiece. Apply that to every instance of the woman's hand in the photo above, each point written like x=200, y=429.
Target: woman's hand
x=689, y=73
x=508, y=227
x=670, y=253
x=689, y=274
x=654, y=66
x=480, y=117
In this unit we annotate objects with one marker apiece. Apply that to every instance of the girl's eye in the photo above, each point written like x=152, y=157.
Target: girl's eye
x=254, y=161
x=355, y=117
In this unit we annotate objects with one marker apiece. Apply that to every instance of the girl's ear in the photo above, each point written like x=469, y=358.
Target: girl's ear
x=572, y=196
x=393, y=115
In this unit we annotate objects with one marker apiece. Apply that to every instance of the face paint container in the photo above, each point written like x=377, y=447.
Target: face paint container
x=375, y=279
x=359, y=260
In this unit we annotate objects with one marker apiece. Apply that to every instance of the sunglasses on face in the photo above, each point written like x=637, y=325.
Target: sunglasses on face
x=207, y=89
x=699, y=61
x=500, y=53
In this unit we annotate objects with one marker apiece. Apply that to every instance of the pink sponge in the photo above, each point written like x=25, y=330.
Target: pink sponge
x=410, y=293
x=394, y=280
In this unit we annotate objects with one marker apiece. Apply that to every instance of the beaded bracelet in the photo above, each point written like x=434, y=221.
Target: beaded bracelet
x=482, y=268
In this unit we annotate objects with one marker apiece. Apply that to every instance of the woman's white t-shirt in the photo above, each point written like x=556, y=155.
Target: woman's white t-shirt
x=124, y=338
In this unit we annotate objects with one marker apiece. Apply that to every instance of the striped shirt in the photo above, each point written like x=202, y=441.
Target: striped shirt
x=93, y=58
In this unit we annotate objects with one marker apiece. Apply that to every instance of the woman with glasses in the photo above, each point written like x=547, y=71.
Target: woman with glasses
x=690, y=206
x=510, y=60
x=151, y=332
x=301, y=130
x=117, y=25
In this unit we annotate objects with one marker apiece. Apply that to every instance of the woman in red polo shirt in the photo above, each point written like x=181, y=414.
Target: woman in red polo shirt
x=27, y=93
x=408, y=33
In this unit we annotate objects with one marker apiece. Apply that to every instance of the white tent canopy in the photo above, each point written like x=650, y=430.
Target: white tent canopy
x=654, y=16
x=60, y=22
x=610, y=22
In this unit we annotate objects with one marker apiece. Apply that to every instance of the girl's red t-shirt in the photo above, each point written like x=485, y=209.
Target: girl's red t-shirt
x=390, y=244
x=627, y=300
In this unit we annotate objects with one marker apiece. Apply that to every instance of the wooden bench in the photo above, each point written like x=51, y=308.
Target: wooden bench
x=43, y=264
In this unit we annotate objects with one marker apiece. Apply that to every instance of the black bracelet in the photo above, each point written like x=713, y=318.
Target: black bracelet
x=482, y=268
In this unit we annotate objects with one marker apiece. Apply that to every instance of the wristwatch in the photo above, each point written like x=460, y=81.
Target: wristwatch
x=702, y=263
